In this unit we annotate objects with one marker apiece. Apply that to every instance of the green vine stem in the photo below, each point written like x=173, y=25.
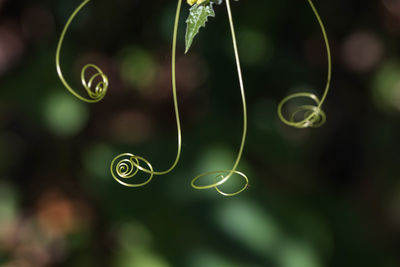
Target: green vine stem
x=223, y=176
x=313, y=115
x=96, y=92
x=126, y=166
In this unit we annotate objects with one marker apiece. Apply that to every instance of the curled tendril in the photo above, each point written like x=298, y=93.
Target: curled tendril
x=223, y=176
x=220, y=178
x=96, y=86
x=127, y=166
x=309, y=115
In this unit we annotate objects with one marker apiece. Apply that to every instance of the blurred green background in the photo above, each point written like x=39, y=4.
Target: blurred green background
x=317, y=197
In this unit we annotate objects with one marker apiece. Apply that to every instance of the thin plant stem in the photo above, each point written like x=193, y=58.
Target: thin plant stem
x=223, y=176
x=127, y=165
x=313, y=115
x=95, y=91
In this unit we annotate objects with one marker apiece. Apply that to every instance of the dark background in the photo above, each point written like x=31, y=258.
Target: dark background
x=317, y=197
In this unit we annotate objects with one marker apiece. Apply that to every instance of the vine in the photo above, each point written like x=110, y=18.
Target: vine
x=202, y=10
x=126, y=166
x=313, y=115
x=96, y=92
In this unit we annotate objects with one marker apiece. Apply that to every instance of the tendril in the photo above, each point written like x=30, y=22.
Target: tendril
x=96, y=85
x=221, y=177
x=309, y=115
x=126, y=166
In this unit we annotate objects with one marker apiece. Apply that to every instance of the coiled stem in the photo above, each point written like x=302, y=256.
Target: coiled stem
x=127, y=166
x=96, y=86
x=309, y=115
x=221, y=177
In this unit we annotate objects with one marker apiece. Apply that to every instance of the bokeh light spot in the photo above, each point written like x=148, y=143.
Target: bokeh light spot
x=135, y=247
x=362, y=51
x=255, y=47
x=386, y=86
x=138, y=68
x=96, y=160
x=250, y=225
x=298, y=255
x=64, y=115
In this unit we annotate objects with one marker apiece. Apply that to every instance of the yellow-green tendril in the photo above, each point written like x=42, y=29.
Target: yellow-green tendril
x=223, y=176
x=126, y=166
x=312, y=115
x=96, y=86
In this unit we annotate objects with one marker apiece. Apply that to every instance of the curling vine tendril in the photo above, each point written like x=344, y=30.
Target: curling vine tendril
x=126, y=166
x=96, y=86
x=223, y=176
x=313, y=115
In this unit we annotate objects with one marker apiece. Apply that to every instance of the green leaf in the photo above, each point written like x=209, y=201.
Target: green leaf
x=197, y=18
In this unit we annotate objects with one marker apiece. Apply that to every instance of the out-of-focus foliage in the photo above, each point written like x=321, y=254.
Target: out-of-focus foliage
x=324, y=197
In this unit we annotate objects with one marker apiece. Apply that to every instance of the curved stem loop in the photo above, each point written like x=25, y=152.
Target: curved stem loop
x=127, y=165
x=223, y=176
x=96, y=86
x=309, y=115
